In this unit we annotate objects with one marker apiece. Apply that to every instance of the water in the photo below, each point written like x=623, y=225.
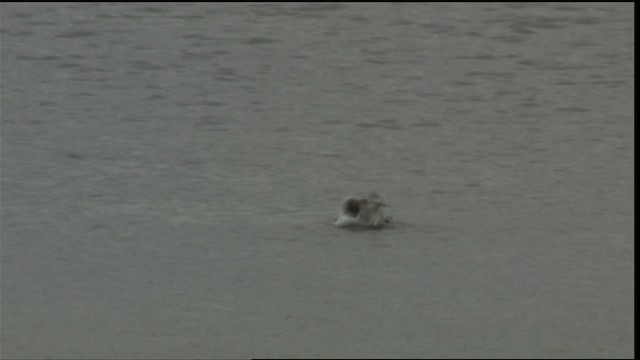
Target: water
x=171, y=174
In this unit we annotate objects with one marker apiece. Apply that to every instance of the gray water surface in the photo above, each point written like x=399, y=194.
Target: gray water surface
x=170, y=175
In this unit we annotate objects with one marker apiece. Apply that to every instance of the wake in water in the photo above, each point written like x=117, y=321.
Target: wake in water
x=363, y=212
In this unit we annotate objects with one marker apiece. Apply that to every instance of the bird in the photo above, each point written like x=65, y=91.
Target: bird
x=363, y=212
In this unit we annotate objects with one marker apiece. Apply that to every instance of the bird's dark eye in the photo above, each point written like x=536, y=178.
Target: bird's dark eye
x=353, y=208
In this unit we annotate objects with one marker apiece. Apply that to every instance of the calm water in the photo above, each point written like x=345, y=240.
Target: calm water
x=170, y=174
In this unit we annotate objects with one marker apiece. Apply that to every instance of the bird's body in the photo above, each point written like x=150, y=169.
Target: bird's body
x=363, y=212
